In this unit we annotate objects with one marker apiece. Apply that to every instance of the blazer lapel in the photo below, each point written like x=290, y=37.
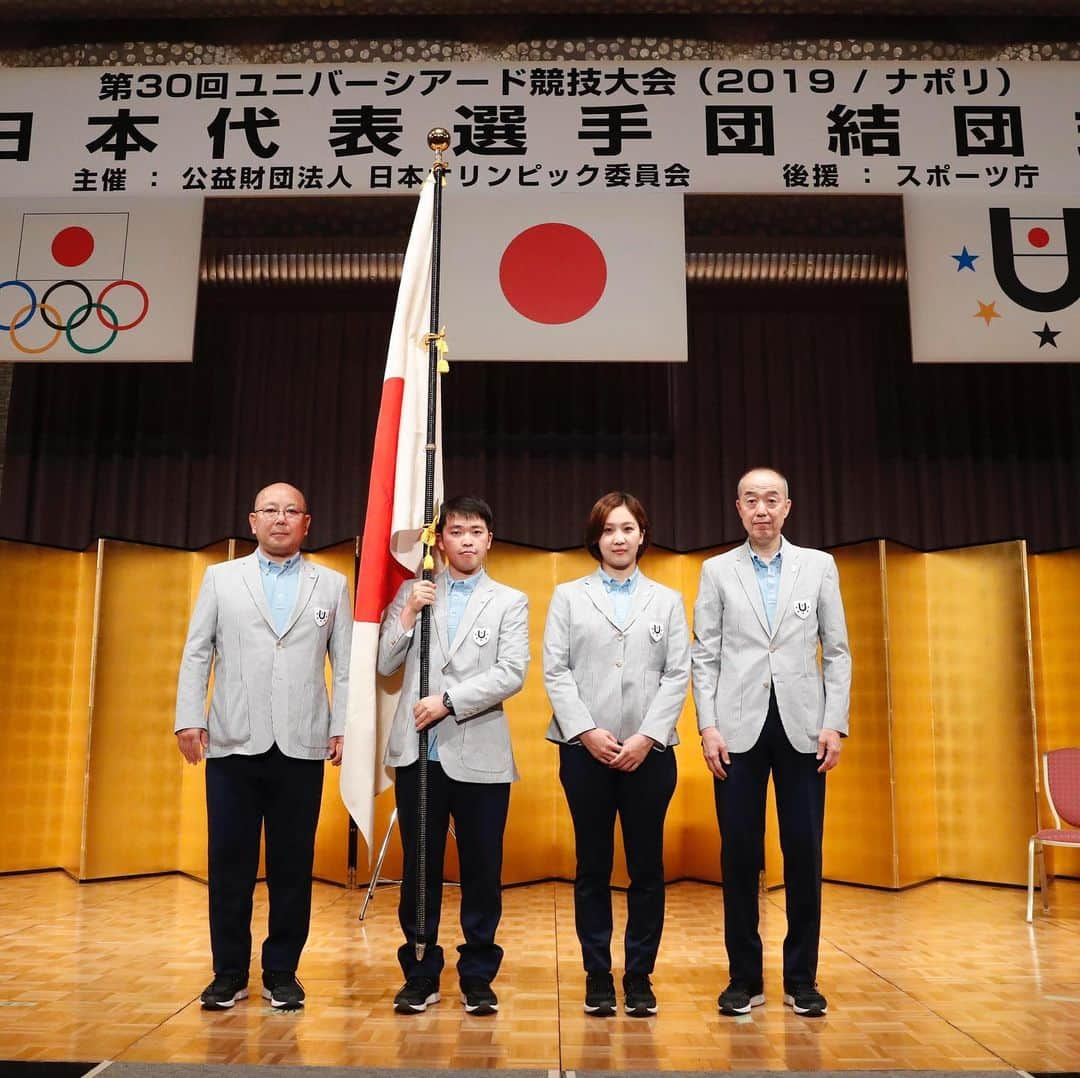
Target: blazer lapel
x=308, y=575
x=790, y=564
x=596, y=591
x=480, y=597
x=253, y=583
x=439, y=610
x=744, y=569
x=639, y=600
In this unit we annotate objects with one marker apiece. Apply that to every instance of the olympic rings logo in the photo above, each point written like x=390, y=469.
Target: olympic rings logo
x=78, y=317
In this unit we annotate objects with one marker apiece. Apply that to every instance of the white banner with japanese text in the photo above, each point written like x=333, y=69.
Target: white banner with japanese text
x=840, y=126
x=962, y=142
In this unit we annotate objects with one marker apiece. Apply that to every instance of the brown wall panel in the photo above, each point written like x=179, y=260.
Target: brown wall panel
x=859, y=837
x=332, y=837
x=44, y=669
x=982, y=712
x=695, y=851
x=1055, y=607
x=81, y=690
x=133, y=802
x=912, y=709
x=533, y=846
x=191, y=848
x=948, y=655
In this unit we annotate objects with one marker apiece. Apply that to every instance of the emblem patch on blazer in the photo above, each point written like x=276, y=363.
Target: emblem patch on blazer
x=802, y=608
x=481, y=635
x=321, y=616
x=656, y=631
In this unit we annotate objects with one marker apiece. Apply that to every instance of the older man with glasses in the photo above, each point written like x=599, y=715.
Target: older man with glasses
x=265, y=624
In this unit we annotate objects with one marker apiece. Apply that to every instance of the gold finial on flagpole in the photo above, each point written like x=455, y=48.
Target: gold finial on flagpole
x=438, y=139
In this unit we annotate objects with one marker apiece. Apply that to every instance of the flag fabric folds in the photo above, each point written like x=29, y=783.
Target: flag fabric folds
x=391, y=549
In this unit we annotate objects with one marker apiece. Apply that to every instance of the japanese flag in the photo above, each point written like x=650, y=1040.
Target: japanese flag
x=574, y=276
x=82, y=246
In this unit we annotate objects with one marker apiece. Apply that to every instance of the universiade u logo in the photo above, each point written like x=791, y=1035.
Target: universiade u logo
x=79, y=316
x=1001, y=240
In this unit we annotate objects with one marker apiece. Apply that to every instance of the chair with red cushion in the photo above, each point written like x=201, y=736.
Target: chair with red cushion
x=1061, y=782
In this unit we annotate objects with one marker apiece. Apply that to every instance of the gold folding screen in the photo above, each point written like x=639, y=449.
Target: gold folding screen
x=1055, y=617
x=937, y=778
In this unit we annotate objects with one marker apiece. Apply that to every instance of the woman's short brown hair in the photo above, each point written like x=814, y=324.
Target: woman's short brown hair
x=594, y=526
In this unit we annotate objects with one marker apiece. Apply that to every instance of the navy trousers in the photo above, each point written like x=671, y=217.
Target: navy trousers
x=479, y=810
x=244, y=793
x=740, y=811
x=596, y=794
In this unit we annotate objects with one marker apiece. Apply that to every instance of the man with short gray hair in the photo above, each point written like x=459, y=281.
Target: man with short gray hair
x=765, y=705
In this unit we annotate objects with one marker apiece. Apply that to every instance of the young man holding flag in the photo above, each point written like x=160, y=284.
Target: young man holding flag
x=479, y=656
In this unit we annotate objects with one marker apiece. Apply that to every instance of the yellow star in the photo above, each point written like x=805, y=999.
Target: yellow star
x=986, y=311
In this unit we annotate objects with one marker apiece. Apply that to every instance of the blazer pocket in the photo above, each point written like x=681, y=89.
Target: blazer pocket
x=485, y=743
x=650, y=686
x=312, y=711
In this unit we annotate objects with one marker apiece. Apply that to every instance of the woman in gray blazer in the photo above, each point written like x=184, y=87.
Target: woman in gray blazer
x=616, y=670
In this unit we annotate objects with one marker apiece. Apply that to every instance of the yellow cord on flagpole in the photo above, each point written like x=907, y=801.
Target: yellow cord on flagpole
x=427, y=537
x=441, y=346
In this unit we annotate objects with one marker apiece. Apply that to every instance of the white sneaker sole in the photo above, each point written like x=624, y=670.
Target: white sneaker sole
x=789, y=1001
x=479, y=1009
x=755, y=1001
x=281, y=1004
x=225, y=1004
x=604, y=1010
x=417, y=1008
x=640, y=1012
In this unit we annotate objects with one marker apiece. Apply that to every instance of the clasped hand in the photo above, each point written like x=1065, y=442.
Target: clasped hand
x=627, y=756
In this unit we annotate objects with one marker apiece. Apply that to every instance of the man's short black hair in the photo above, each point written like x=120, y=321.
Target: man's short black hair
x=466, y=505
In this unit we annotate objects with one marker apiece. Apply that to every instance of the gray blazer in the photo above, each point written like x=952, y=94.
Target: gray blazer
x=736, y=657
x=267, y=688
x=483, y=667
x=625, y=680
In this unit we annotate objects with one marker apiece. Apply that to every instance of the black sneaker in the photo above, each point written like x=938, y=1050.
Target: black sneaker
x=283, y=990
x=600, y=994
x=640, y=999
x=477, y=996
x=416, y=995
x=806, y=1000
x=738, y=998
x=224, y=990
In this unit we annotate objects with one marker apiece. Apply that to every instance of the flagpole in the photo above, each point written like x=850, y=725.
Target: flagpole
x=439, y=141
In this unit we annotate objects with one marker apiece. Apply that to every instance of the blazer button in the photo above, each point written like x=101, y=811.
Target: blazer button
x=280, y=644
x=618, y=662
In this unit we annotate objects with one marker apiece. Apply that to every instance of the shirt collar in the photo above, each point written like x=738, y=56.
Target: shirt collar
x=611, y=584
x=467, y=584
x=775, y=558
x=268, y=566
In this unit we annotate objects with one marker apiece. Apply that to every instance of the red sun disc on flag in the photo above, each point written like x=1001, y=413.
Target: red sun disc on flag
x=72, y=246
x=1038, y=237
x=553, y=273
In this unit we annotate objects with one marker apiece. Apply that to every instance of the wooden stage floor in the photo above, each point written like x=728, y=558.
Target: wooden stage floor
x=944, y=976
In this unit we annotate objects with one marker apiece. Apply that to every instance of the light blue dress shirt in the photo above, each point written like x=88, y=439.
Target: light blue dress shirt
x=459, y=593
x=621, y=592
x=281, y=583
x=768, y=578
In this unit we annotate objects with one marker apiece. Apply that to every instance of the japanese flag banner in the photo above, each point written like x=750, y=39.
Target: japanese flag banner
x=559, y=277
x=99, y=280
x=990, y=281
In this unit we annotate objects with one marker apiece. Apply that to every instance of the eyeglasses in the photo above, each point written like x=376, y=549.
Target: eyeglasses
x=270, y=512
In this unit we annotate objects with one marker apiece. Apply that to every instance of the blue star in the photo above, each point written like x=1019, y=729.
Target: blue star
x=964, y=260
